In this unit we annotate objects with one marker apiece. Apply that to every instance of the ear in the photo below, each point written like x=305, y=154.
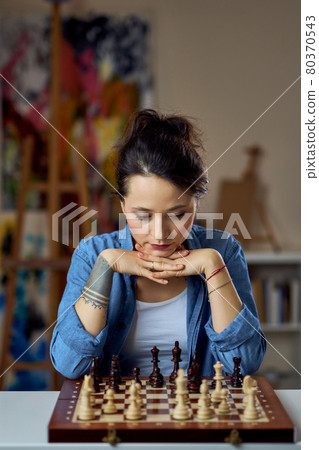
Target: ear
x=122, y=206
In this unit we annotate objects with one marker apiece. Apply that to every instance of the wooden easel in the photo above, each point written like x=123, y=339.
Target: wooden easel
x=243, y=196
x=53, y=188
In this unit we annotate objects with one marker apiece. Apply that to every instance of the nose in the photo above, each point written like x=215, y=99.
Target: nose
x=160, y=228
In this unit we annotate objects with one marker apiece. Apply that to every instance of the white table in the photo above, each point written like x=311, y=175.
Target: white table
x=24, y=418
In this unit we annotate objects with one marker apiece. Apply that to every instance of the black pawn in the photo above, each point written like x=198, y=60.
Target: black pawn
x=136, y=372
x=158, y=379
x=115, y=367
x=176, y=351
x=113, y=382
x=94, y=374
x=236, y=380
x=193, y=374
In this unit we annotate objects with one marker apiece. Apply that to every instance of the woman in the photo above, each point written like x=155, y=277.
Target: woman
x=161, y=278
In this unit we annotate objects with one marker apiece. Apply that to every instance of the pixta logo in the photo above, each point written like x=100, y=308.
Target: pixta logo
x=68, y=222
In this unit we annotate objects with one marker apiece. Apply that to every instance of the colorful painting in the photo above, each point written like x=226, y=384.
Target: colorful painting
x=104, y=77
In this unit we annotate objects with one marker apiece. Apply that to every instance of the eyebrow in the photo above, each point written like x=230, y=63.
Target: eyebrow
x=140, y=208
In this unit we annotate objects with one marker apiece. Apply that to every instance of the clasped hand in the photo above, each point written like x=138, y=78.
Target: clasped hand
x=181, y=263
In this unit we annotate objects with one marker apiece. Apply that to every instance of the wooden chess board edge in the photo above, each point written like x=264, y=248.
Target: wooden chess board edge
x=60, y=430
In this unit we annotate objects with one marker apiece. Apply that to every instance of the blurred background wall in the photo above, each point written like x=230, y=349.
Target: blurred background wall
x=232, y=66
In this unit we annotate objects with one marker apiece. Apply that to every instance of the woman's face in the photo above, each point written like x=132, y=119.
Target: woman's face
x=155, y=214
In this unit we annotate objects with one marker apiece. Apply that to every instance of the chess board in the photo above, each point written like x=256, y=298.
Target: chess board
x=157, y=423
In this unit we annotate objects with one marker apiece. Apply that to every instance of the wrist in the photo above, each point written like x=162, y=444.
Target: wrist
x=213, y=261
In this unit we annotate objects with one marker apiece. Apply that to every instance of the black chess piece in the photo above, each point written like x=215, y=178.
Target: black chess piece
x=155, y=361
x=236, y=380
x=113, y=381
x=193, y=375
x=115, y=366
x=94, y=374
x=136, y=373
x=176, y=351
x=157, y=379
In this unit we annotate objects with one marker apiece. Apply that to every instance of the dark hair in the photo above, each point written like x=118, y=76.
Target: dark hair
x=162, y=145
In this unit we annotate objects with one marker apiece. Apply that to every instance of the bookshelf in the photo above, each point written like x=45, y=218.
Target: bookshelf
x=275, y=280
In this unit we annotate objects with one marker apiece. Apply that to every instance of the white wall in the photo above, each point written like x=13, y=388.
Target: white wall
x=225, y=62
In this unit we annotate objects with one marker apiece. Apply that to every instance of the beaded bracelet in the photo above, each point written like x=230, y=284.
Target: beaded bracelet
x=218, y=287
x=215, y=272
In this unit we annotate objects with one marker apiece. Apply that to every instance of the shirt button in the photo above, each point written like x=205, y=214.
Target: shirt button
x=122, y=325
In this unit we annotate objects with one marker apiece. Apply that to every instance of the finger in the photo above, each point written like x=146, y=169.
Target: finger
x=167, y=274
x=167, y=260
x=148, y=274
x=179, y=254
x=162, y=266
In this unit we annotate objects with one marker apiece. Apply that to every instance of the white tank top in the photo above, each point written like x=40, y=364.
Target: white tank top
x=156, y=324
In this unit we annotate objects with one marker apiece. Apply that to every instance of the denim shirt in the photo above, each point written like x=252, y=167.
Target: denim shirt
x=72, y=347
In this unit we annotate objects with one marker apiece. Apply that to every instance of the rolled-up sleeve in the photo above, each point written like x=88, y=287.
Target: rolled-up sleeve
x=72, y=347
x=243, y=337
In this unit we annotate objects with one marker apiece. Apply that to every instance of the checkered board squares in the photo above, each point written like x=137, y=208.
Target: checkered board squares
x=159, y=404
x=157, y=423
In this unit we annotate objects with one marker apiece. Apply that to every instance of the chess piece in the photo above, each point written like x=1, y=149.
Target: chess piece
x=193, y=373
x=86, y=412
x=237, y=377
x=134, y=410
x=223, y=407
x=110, y=407
x=204, y=391
x=112, y=381
x=247, y=384
x=181, y=411
x=176, y=351
x=157, y=380
x=136, y=373
x=216, y=396
x=94, y=372
x=155, y=361
x=204, y=411
x=251, y=412
x=115, y=367
x=88, y=385
x=138, y=394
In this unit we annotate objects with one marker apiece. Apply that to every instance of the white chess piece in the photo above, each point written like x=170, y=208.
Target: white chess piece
x=223, y=407
x=110, y=407
x=251, y=412
x=134, y=410
x=204, y=391
x=89, y=386
x=86, y=412
x=204, y=412
x=216, y=396
x=248, y=382
x=181, y=411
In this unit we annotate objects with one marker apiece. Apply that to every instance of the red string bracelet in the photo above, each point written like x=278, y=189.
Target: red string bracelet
x=216, y=271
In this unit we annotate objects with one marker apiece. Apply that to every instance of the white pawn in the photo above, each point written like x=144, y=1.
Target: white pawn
x=251, y=412
x=204, y=412
x=181, y=411
x=86, y=412
x=138, y=394
x=223, y=407
x=110, y=407
x=204, y=390
x=134, y=410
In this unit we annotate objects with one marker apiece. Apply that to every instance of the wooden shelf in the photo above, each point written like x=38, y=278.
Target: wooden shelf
x=36, y=263
x=271, y=258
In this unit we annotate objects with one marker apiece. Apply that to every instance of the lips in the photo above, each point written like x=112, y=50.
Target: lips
x=159, y=247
